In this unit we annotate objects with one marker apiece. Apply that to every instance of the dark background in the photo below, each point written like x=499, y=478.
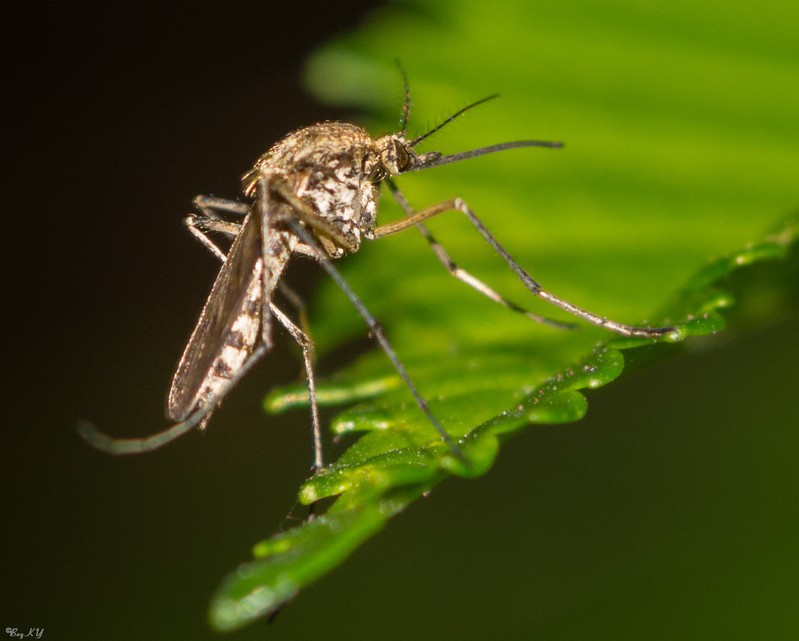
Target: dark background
x=117, y=116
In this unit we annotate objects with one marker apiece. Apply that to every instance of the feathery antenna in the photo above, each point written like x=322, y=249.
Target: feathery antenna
x=460, y=112
x=406, y=104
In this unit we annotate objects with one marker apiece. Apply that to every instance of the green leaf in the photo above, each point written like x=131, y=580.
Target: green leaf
x=668, y=166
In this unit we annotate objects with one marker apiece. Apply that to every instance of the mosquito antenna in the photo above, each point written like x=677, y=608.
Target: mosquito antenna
x=406, y=104
x=434, y=159
x=416, y=141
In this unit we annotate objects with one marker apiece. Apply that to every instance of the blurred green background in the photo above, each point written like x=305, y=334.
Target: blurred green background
x=681, y=145
x=669, y=512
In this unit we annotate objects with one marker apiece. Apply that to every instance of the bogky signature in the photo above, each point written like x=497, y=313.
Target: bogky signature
x=33, y=633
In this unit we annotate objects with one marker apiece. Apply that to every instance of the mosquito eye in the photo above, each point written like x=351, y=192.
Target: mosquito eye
x=403, y=159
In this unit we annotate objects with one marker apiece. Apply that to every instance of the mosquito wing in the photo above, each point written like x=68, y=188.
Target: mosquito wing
x=230, y=319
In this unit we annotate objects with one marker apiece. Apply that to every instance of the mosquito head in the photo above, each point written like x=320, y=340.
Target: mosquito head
x=397, y=155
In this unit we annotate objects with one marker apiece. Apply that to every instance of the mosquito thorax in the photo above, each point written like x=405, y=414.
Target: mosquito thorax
x=338, y=148
x=331, y=166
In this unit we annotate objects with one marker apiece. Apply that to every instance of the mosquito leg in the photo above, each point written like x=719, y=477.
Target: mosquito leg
x=303, y=211
x=122, y=446
x=302, y=312
x=376, y=330
x=307, y=347
x=458, y=204
x=210, y=205
x=465, y=277
x=210, y=221
x=302, y=336
x=199, y=228
x=267, y=210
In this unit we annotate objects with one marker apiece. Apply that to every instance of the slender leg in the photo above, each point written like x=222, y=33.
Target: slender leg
x=210, y=205
x=464, y=276
x=377, y=332
x=305, y=213
x=307, y=347
x=199, y=228
x=302, y=312
x=209, y=220
x=458, y=204
x=120, y=446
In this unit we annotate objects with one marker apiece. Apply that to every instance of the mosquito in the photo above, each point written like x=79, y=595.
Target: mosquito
x=315, y=194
